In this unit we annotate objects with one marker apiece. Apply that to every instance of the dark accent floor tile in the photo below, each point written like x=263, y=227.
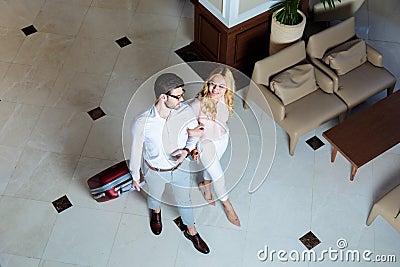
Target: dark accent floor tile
x=178, y=221
x=62, y=204
x=314, y=142
x=309, y=240
x=124, y=41
x=189, y=54
x=96, y=113
x=29, y=30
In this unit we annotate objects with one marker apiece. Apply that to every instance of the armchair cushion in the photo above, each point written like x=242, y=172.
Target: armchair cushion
x=294, y=83
x=346, y=56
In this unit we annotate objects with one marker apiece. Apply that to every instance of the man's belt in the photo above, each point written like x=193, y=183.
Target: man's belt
x=162, y=170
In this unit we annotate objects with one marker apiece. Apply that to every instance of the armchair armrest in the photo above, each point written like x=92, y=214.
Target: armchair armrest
x=259, y=93
x=276, y=105
x=324, y=81
x=331, y=74
x=374, y=57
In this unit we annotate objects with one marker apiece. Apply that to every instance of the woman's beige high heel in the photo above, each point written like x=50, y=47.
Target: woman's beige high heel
x=231, y=214
x=206, y=192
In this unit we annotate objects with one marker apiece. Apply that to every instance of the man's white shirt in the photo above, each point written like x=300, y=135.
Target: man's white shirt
x=158, y=137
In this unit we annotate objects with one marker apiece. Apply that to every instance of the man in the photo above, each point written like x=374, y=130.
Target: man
x=161, y=133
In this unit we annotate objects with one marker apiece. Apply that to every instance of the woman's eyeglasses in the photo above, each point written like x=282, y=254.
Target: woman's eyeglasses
x=215, y=85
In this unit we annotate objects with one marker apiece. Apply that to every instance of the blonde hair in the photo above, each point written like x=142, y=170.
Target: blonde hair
x=208, y=105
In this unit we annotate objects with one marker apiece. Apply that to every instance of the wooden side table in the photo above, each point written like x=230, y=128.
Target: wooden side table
x=367, y=134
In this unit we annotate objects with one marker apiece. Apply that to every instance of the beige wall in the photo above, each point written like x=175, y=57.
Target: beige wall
x=379, y=23
x=246, y=5
x=217, y=4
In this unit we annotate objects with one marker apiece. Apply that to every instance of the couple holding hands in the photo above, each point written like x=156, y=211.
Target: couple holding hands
x=170, y=131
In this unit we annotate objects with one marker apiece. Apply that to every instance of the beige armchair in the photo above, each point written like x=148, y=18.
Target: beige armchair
x=299, y=96
x=355, y=68
x=388, y=207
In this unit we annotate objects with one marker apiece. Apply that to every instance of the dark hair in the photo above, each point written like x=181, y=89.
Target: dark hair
x=167, y=82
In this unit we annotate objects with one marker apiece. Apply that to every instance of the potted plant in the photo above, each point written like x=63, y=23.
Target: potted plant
x=288, y=23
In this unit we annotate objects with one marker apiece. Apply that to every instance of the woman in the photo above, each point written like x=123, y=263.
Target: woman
x=213, y=106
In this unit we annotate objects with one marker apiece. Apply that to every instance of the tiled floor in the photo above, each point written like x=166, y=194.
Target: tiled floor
x=49, y=146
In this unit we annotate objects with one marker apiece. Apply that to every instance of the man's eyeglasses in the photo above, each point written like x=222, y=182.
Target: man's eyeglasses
x=214, y=85
x=177, y=97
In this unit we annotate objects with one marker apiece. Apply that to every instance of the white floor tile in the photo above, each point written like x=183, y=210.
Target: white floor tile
x=174, y=59
x=61, y=131
x=185, y=33
x=45, y=263
x=386, y=169
x=162, y=7
x=28, y=84
x=8, y=260
x=88, y=167
x=335, y=177
x=3, y=69
x=136, y=204
x=152, y=59
x=92, y=55
x=45, y=49
x=9, y=157
x=119, y=92
x=19, y=14
x=338, y=215
x=41, y=175
x=83, y=3
x=25, y=226
x=297, y=170
x=104, y=23
x=18, y=122
x=144, y=30
x=276, y=206
x=188, y=10
x=105, y=139
x=10, y=41
x=386, y=237
x=116, y=4
x=136, y=243
x=60, y=18
x=83, y=236
x=81, y=91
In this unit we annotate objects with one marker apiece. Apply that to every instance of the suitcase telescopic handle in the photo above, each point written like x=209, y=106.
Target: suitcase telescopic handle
x=125, y=187
x=99, y=196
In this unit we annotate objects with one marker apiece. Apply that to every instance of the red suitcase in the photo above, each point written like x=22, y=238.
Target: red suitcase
x=112, y=182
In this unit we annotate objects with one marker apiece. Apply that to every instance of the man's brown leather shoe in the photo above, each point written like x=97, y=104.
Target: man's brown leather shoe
x=198, y=243
x=155, y=222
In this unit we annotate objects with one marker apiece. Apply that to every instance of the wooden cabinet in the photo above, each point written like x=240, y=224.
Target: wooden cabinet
x=239, y=46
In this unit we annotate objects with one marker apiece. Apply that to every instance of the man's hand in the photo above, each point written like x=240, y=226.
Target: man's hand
x=196, y=132
x=136, y=185
x=180, y=154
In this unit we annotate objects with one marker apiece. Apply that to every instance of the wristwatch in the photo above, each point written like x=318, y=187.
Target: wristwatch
x=187, y=150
